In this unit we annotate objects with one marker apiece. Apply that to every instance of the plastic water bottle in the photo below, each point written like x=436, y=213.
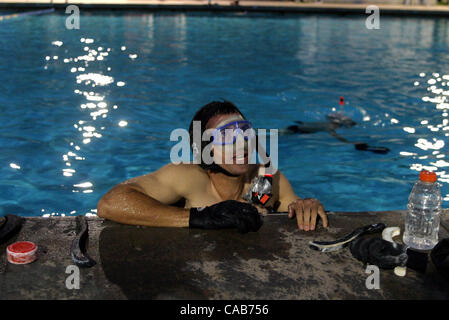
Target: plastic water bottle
x=423, y=217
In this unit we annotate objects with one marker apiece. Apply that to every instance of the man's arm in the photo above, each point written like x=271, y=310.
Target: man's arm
x=286, y=193
x=306, y=211
x=146, y=200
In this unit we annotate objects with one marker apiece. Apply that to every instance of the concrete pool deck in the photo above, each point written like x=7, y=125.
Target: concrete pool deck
x=180, y=263
x=220, y=5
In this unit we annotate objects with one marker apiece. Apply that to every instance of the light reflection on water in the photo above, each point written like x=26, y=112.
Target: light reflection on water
x=94, y=88
x=437, y=89
x=104, y=100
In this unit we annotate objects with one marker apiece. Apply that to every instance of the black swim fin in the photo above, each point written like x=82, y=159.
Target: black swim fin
x=365, y=147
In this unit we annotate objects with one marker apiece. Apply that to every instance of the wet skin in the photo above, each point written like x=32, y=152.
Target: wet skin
x=149, y=199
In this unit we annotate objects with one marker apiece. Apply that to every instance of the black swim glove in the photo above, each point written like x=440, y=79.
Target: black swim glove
x=226, y=214
x=379, y=252
x=387, y=255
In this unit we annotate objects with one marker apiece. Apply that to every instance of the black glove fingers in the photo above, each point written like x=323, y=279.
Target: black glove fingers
x=384, y=255
x=378, y=252
x=247, y=216
x=242, y=226
x=227, y=214
x=253, y=217
x=250, y=222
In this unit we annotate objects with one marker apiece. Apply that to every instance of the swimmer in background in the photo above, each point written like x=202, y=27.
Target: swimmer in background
x=209, y=196
x=334, y=121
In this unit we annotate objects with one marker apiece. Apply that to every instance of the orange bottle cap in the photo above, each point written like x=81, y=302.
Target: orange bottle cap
x=428, y=176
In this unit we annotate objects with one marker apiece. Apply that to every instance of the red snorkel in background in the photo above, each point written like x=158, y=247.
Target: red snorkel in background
x=361, y=145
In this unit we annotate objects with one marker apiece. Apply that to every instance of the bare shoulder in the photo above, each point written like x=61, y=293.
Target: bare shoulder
x=179, y=178
x=181, y=171
x=284, y=183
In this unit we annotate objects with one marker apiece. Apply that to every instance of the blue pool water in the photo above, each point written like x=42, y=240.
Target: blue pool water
x=74, y=125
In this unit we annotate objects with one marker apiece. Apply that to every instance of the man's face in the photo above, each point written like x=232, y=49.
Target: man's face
x=233, y=157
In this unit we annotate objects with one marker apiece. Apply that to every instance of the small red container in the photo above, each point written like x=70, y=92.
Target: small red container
x=21, y=252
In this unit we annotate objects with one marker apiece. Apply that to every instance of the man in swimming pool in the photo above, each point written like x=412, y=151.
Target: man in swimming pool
x=214, y=194
x=333, y=122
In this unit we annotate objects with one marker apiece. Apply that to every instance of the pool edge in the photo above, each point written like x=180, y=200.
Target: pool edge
x=245, y=6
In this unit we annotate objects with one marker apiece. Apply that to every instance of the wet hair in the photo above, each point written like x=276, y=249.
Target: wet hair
x=340, y=120
x=204, y=114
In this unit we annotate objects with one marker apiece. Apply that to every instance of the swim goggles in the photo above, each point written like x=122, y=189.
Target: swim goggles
x=228, y=133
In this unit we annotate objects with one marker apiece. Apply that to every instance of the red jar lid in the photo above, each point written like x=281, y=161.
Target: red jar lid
x=21, y=252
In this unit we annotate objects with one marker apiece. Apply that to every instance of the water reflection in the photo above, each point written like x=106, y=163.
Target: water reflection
x=93, y=83
x=160, y=57
x=435, y=147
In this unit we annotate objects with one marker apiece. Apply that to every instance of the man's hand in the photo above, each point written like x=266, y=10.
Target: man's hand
x=306, y=212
